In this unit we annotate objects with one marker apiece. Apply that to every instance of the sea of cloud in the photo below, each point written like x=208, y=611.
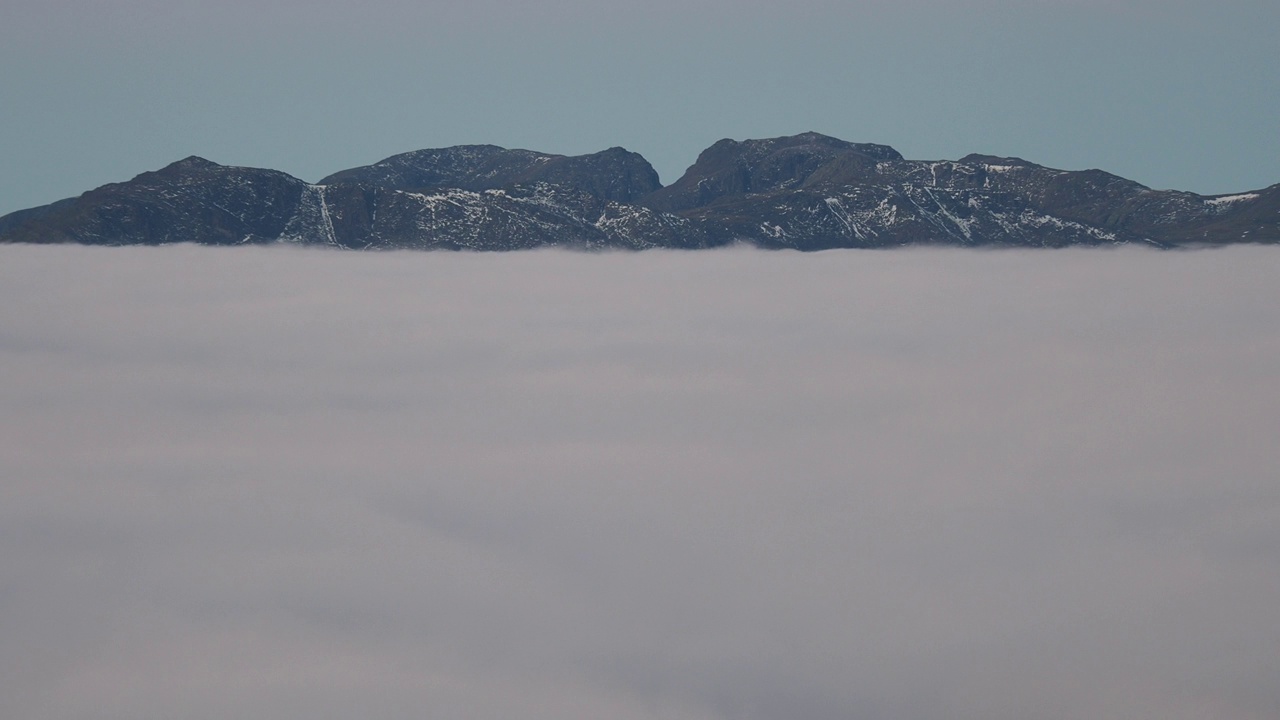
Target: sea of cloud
x=926, y=484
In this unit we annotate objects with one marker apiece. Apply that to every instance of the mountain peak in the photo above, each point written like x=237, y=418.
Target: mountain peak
x=192, y=162
x=981, y=159
x=732, y=167
x=807, y=191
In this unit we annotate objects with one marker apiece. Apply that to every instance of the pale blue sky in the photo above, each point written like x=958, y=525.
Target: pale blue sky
x=1177, y=94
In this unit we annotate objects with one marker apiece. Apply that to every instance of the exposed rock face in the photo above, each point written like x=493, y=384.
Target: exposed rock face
x=614, y=174
x=807, y=192
x=192, y=200
x=812, y=192
x=731, y=168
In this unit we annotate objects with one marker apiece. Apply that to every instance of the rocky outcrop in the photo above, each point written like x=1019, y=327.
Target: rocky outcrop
x=807, y=192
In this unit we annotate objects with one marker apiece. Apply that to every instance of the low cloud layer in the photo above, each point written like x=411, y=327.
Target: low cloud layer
x=922, y=484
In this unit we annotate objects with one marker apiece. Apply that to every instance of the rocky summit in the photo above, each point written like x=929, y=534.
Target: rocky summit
x=807, y=192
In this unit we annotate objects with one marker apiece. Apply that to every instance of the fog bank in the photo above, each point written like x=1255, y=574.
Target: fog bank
x=932, y=484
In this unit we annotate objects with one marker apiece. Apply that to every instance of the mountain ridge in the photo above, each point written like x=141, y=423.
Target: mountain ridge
x=808, y=192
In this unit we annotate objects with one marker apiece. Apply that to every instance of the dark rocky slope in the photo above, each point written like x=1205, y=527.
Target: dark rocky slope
x=807, y=192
